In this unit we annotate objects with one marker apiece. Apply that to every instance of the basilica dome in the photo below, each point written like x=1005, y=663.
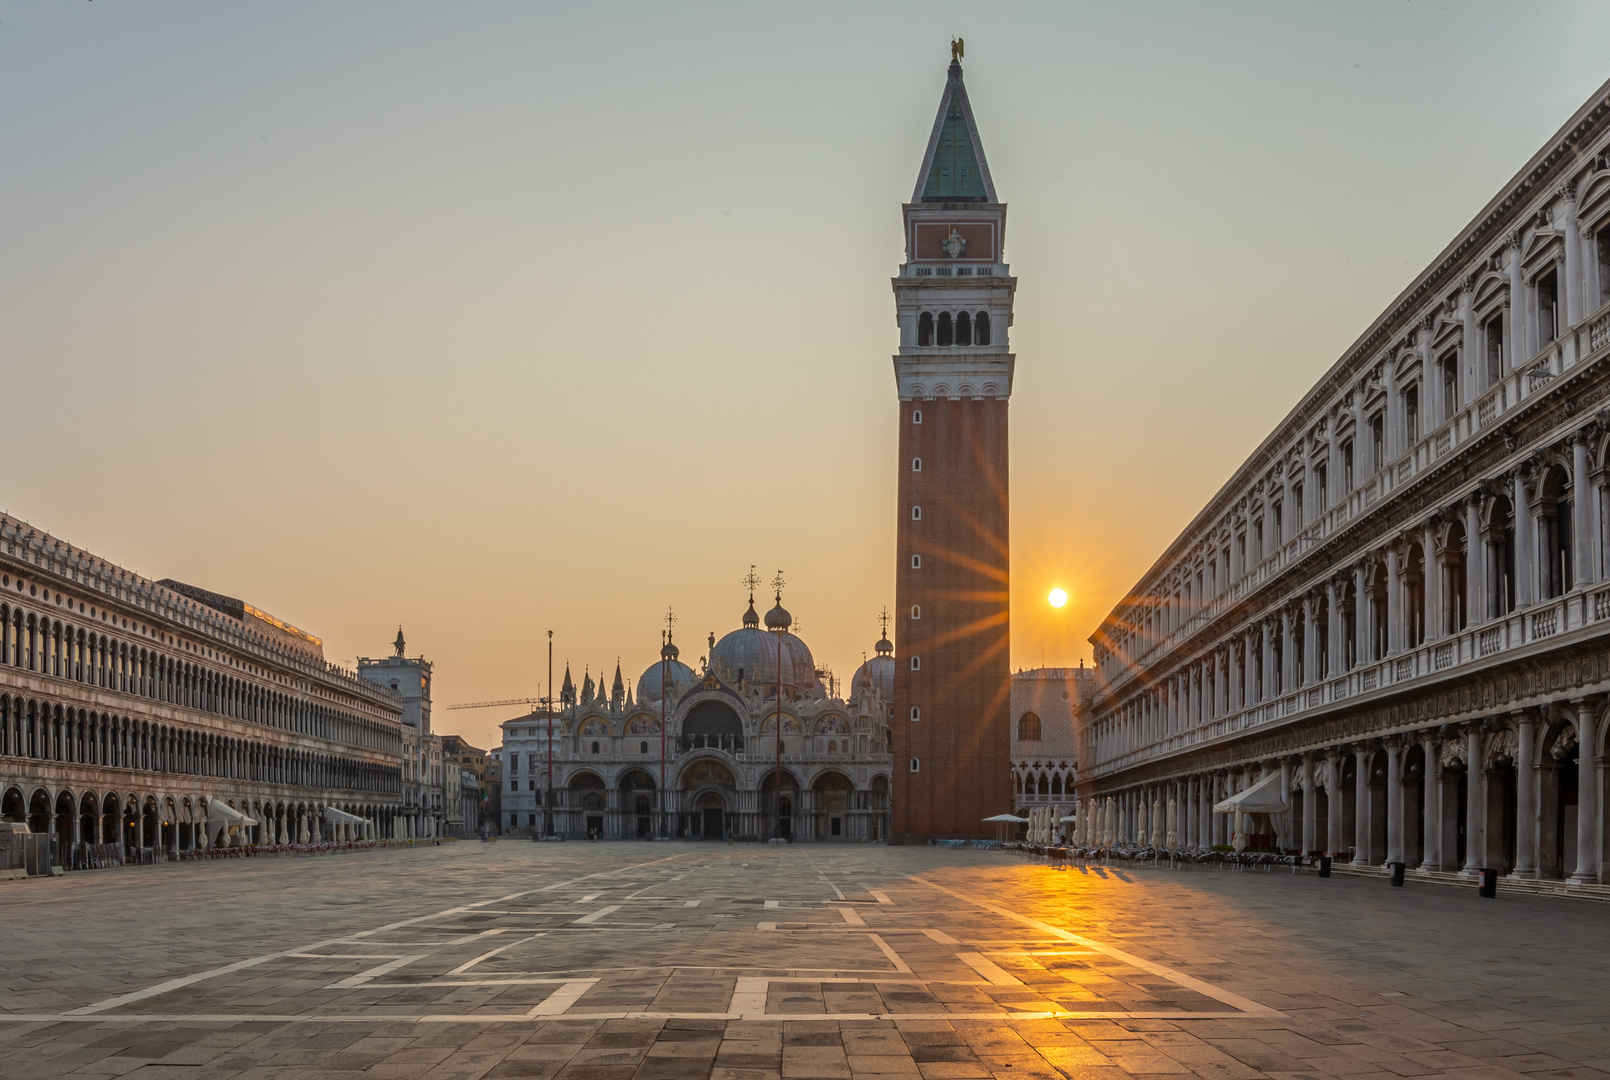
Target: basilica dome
x=750, y=654
x=680, y=675
x=878, y=671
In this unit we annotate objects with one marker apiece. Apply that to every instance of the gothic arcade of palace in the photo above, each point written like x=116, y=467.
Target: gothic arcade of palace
x=1397, y=611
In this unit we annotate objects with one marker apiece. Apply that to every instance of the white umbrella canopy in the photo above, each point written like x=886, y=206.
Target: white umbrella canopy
x=1007, y=817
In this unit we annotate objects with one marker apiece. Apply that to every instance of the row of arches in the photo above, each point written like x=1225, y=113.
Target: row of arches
x=42, y=730
x=709, y=802
x=960, y=328
x=36, y=641
x=170, y=823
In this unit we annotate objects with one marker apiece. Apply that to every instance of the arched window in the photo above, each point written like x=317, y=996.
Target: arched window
x=981, y=328
x=925, y=329
x=916, y=663
x=595, y=747
x=946, y=337
x=916, y=766
x=916, y=611
x=642, y=748
x=916, y=464
x=916, y=562
x=916, y=513
x=916, y=713
x=1045, y=786
x=964, y=329
x=1028, y=727
x=1056, y=783
x=916, y=416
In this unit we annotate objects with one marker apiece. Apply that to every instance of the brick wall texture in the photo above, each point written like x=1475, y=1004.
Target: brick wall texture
x=963, y=688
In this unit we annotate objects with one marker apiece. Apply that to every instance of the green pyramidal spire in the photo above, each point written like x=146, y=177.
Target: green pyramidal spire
x=953, y=169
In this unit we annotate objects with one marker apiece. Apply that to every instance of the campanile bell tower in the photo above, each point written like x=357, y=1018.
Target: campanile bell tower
x=953, y=373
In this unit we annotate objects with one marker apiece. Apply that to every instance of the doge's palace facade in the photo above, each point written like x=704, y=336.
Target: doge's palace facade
x=1399, y=605
x=165, y=717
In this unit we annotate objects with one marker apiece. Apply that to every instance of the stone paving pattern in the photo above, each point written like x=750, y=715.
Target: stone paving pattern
x=1367, y=980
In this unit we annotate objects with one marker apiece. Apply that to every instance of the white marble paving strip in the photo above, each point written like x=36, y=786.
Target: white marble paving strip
x=894, y=957
x=556, y=1003
x=997, y=976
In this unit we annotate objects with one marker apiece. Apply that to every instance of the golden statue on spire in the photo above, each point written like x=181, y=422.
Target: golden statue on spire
x=958, y=48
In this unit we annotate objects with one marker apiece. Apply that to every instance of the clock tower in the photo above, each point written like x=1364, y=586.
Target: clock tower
x=953, y=374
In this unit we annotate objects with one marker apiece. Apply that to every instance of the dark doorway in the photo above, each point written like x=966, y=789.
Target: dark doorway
x=713, y=829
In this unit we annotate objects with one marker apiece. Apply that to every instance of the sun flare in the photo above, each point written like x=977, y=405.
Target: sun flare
x=1058, y=597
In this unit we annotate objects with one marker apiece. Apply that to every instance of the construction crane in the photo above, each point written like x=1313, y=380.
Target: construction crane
x=510, y=701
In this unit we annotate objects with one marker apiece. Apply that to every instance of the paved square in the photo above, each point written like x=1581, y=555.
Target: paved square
x=673, y=961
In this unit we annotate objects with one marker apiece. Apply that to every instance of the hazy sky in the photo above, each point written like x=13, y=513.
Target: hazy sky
x=487, y=319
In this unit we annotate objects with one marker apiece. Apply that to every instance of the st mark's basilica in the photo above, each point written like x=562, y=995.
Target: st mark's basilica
x=696, y=754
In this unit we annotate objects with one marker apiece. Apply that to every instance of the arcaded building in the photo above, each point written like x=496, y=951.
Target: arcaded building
x=1396, y=613
x=953, y=378
x=165, y=717
x=1045, y=756
x=697, y=754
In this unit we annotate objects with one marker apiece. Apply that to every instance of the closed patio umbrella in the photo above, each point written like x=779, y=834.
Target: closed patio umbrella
x=1173, y=824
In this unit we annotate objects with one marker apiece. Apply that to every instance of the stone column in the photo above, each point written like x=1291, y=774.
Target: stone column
x=1525, y=533
x=1475, y=801
x=1432, y=811
x=1310, y=642
x=1586, y=871
x=1288, y=653
x=1394, y=798
x=1571, y=272
x=1475, y=564
x=1361, y=617
x=1361, y=805
x=1394, y=600
x=1310, y=811
x=1333, y=635
x=1267, y=688
x=1284, y=836
x=1527, y=811
x=1333, y=794
x=1431, y=567
x=1236, y=673
x=1582, y=529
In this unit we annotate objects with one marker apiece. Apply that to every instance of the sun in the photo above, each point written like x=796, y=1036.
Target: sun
x=1058, y=597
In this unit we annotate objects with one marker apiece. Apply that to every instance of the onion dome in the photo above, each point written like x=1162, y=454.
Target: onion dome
x=885, y=647
x=680, y=677
x=750, y=618
x=876, y=674
x=778, y=617
x=669, y=651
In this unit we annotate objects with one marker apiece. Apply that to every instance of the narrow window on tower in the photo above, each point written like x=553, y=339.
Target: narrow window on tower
x=916, y=513
x=916, y=663
x=916, y=416
x=916, y=611
x=925, y=328
x=916, y=464
x=916, y=766
x=916, y=713
x=964, y=329
x=981, y=328
x=916, y=562
x=945, y=335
